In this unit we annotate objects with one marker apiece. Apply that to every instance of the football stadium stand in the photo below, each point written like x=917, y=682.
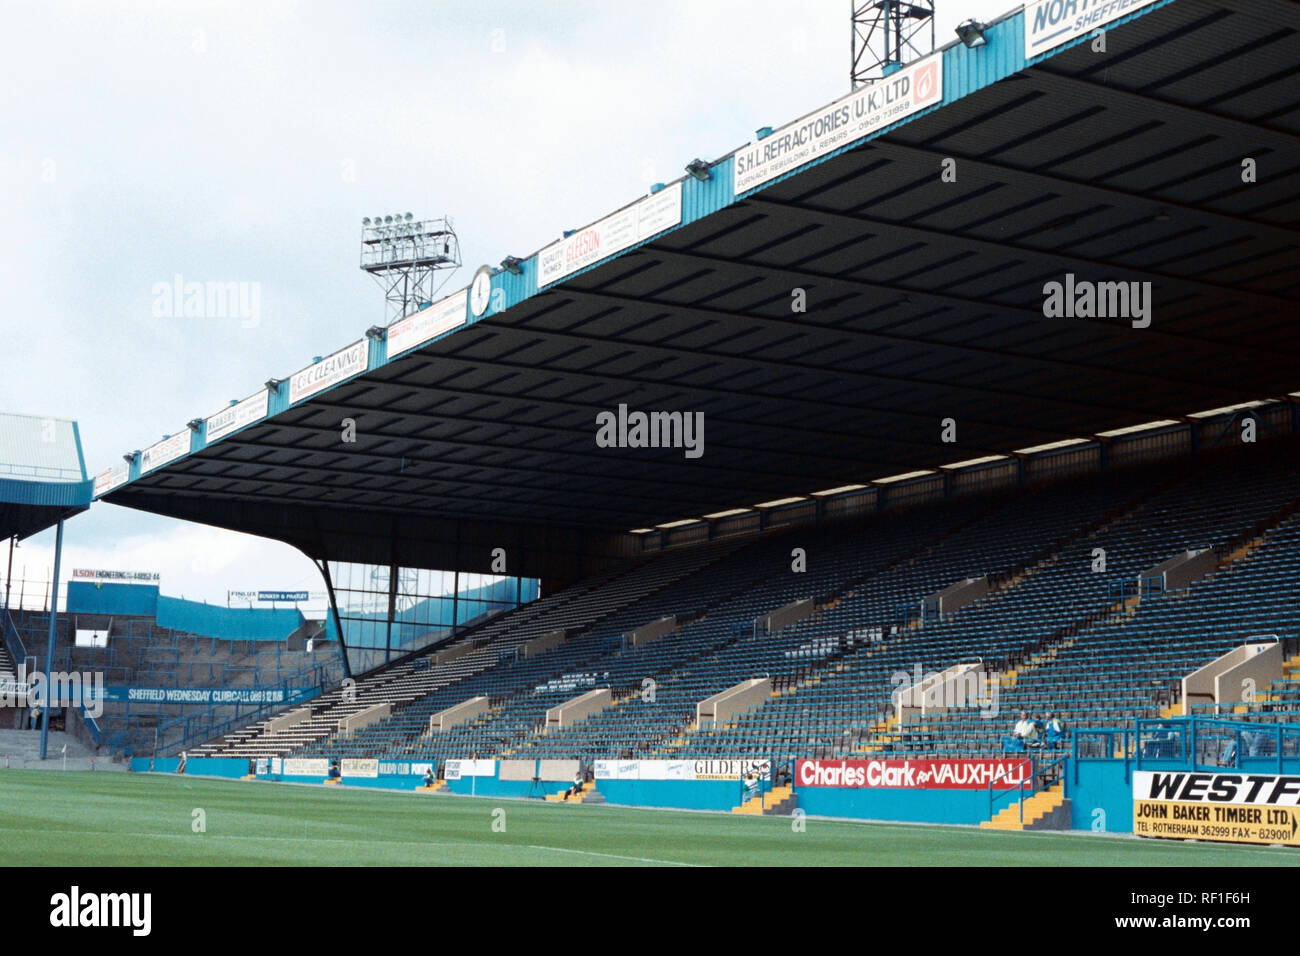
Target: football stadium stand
x=165, y=687
x=931, y=497
x=1056, y=631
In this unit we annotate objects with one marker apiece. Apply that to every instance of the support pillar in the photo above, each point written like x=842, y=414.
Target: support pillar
x=334, y=610
x=49, y=645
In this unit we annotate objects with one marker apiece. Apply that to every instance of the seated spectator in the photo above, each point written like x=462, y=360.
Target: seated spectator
x=577, y=786
x=1014, y=742
x=428, y=776
x=1026, y=730
x=1054, y=730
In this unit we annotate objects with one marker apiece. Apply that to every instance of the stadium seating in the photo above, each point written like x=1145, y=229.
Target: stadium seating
x=140, y=653
x=1055, y=631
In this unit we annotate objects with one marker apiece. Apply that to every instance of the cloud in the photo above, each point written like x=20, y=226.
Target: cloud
x=193, y=560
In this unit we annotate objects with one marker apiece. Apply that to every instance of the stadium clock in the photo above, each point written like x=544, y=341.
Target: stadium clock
x=480, y=291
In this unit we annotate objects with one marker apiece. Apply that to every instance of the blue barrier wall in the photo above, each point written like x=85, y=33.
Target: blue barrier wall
x=234, y=767
x=1101, y=794
x=917, y=806
x=178, y=614
x=160, y=765
x=217, y=766
x=911, y=806
x=229, y=623
x=1098, y=784
x=85, y=597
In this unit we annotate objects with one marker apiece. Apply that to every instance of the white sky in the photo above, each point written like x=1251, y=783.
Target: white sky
x=243, y=142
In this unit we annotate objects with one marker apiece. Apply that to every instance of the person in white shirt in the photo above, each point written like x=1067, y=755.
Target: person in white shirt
x=1026, y=729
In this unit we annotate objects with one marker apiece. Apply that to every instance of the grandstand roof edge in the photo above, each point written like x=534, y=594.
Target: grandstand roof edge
x=963, y=72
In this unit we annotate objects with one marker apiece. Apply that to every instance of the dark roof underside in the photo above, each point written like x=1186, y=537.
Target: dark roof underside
x=924, y=302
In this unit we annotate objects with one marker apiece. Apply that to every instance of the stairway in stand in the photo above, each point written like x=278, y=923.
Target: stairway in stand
x=1046, y=810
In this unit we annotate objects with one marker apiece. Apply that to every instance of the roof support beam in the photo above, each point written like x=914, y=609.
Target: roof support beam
x=1189, y=118
x=1134, y=203
x=1051, y=261
x=480, y=470
x=1052, y=365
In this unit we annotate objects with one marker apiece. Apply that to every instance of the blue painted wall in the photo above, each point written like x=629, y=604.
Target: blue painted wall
x=229, y=623
x=193, y=617
x=217, y=766
x=160, y=765
x=235, y=767
x=912, y=806
x=1107, y=785
x=85, y=597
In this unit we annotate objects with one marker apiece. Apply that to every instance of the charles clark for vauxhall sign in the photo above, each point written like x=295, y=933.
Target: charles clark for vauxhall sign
x=913, y=774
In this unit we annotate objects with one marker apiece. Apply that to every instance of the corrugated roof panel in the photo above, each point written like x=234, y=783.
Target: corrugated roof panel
x=40, y=449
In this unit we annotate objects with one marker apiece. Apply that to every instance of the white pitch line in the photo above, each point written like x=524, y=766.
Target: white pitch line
x=240, y=836
x=314, y=840
x=612, y=856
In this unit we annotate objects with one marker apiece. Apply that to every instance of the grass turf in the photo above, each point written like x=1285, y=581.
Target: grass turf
x=117, y=819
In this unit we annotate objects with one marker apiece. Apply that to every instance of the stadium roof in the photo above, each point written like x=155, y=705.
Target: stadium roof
x=42, y=474
x=1171, y=158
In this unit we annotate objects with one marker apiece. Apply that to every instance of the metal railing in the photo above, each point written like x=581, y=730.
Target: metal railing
x=1209, y=743
x=1041, y=776
x=167, y=736
x=1019, y=789
x=13, y=640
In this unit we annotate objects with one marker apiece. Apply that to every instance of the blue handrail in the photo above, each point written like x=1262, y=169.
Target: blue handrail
x=1036, y=772
x=202, y=727
x=14, y=641
x=95, y=733
x=1191, y=740
x=1019, y=788
x=166, y=737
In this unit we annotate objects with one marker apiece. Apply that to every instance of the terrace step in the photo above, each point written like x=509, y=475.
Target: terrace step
x=1046, y=810
x=558, y=797
x=766, y=803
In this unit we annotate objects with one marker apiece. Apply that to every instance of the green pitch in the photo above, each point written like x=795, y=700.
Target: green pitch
x=116, y=819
